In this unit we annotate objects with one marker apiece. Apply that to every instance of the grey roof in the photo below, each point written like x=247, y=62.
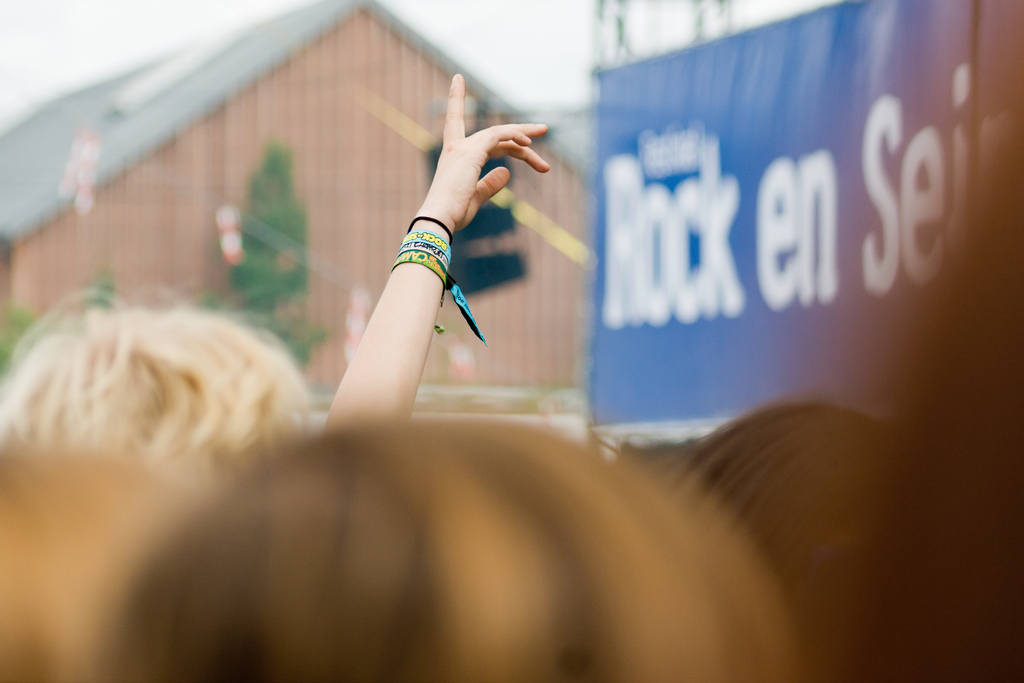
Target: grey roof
x=139, y=111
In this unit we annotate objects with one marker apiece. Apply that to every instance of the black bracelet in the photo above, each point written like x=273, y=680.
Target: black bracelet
x=432, y=220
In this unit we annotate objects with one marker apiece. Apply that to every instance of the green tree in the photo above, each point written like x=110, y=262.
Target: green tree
x=272, y=280
x=270, y=276
x=102, y=292
x=14, y=322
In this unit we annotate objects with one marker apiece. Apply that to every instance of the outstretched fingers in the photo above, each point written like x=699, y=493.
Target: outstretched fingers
x=534, y=160
x=523, y=133
x=455, y=119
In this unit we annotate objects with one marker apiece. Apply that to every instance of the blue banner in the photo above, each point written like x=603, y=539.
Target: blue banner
x=767, y=203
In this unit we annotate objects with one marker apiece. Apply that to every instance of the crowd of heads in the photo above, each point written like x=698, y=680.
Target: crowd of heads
x=450, y=551
x=165, y=515
x=480, y=554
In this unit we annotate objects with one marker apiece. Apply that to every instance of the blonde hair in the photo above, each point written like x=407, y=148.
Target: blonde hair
x=180, y=388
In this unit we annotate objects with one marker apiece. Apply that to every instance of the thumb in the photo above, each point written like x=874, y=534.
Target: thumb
x=488, y=186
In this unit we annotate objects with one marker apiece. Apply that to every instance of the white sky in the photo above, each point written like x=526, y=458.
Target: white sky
x=536, y=54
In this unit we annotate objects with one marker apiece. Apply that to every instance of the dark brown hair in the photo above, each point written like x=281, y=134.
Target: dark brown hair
x=944, y=598
x=801, y=478
x=798, y=475
x=945, y=595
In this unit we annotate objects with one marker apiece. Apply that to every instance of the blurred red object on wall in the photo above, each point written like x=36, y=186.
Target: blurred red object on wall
x=79, y=179
x=461, y=361
x=358, y=315
x=229, y=223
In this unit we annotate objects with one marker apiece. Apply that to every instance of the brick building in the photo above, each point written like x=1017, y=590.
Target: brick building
x=357, y=96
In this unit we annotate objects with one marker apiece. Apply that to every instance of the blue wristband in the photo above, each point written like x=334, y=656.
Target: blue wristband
x=460, y=301
x=429, y=241
x=430, y=237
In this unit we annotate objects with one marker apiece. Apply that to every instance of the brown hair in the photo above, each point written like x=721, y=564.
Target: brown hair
x=801, y=477
x=796, y=474
x=454, y=552
x=944, y=597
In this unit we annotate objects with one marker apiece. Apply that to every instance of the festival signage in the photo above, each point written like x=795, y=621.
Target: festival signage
x=768, y=204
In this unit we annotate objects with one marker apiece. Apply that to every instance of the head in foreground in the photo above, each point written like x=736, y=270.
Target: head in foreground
x=944, y=598
x=456, y=553
x=71, y=532
x=799, y=475
x=802, y=478
x=185, y=390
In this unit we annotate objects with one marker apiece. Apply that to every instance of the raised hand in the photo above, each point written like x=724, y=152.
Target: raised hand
x=458, y=191
x=381, y=381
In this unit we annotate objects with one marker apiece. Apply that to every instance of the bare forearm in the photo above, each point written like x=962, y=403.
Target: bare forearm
x=381, y=381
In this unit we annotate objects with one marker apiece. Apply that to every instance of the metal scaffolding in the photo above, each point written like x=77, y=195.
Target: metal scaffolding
x=634, y=29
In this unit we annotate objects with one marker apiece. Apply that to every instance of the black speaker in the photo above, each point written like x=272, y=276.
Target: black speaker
x=481, y=258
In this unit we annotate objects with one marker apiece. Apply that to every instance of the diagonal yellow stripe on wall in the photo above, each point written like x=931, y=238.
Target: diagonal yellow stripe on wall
x=555, y=235
x=524, y=212
x=394, y=119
